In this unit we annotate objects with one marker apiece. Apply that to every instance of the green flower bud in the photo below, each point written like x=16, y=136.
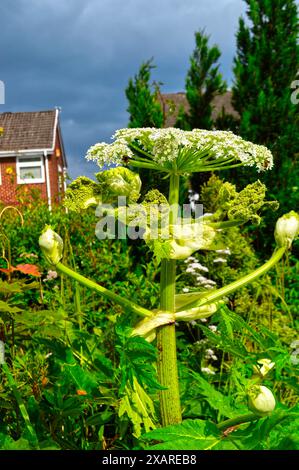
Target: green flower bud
x=261, y=400
x=188, y=238
x=287, y=229
x=51, y=245
x=119, y=181
x=82, y=193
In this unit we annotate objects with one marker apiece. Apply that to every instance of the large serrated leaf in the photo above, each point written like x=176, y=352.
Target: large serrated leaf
x=194, y=434
x=216, y=400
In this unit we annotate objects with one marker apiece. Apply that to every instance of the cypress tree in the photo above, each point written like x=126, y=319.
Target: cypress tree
x=144, y=108
x=265, y=66
x=203, y=83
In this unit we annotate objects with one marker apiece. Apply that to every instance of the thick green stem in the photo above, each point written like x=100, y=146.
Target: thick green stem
x=166, y=339
x=128, y=304
x=224, y=291
x=237, y=420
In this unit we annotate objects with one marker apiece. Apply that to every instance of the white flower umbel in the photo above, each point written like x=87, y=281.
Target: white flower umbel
x=184, y=151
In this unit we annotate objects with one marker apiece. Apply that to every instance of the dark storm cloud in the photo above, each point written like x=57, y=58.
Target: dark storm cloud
x=79, y=55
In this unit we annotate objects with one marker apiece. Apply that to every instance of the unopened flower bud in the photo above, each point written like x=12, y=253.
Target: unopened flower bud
x=287, y=229
x=51, y=245
x=261, y=400
x=119, y=181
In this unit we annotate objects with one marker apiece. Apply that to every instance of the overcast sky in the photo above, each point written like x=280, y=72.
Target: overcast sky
x=79, y=55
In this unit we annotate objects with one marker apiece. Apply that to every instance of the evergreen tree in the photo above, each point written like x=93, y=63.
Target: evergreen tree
x=203, y=82
x=144, y=107
x=146, y=111
x=265, y=66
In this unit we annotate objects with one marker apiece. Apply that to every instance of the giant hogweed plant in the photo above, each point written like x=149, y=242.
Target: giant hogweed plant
x=173, y=153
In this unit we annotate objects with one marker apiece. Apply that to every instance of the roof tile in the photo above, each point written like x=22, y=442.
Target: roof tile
x=27, y=130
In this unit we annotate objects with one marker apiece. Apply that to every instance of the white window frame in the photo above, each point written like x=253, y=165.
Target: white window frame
x=21, y=163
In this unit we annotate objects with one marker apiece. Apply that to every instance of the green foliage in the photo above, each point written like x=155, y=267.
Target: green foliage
x=193, y=434
x=275, y=432
x=203, y=83
x=266, y=63
x=84, y=383
x=144, y=108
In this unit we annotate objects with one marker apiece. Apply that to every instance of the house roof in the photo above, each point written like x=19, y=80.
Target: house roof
x=171, y=103
x=28, y=130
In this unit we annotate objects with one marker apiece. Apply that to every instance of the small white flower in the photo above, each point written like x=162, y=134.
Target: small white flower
x=199, y=266
x=219, y=260
x=213, y=328
x=201, y=279
x=207, y=370
x=209, y=353
x=203, y=320
x=185, y=290
x=295, y=357
x=190, y=270
x=50, y=276
x=223, y=252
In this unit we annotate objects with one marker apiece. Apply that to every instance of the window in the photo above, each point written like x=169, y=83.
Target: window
x=30, y=169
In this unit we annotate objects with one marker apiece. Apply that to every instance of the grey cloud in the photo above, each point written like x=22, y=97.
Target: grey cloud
x=79, y=55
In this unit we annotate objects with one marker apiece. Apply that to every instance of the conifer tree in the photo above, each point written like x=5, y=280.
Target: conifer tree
x=203, y=83
x=144, y=108
x=265, y=66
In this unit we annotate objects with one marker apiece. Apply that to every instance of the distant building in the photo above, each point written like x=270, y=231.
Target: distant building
x=32, y=154
x=172, y=102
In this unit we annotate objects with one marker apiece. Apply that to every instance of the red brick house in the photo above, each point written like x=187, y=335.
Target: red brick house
x=32, y=154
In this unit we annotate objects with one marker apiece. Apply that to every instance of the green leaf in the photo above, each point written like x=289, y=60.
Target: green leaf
x=137, y=359
x=7, y=443
x=139, y=408
x=7, y=308
x=194, y=434
x=216, y=400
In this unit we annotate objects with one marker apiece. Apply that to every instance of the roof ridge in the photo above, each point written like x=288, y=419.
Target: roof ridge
x=29, y=112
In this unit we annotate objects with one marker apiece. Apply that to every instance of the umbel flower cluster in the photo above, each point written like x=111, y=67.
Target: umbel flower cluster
x=185, y=151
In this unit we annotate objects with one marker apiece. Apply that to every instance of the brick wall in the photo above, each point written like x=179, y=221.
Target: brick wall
x=55, y=161
x=10, y=191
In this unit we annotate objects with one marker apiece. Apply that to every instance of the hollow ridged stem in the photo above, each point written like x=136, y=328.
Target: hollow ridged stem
x=128, y=304
x=166, y=339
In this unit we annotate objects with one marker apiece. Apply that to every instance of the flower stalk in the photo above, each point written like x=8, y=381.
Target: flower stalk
x=226, y=290
x=125, y=303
